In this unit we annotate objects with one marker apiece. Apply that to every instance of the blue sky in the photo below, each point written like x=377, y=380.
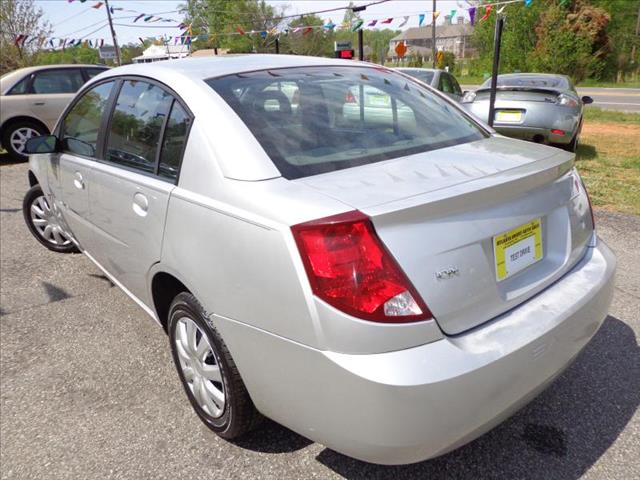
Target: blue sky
x=75, y=20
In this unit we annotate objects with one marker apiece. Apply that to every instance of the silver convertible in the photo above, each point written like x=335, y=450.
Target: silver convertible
x=389, y=287
x=539, y=107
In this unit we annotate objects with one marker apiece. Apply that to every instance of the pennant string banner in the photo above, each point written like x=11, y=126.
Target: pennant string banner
x=187, y=36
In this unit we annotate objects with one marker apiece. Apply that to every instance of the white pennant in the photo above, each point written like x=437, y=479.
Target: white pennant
x=404, y=22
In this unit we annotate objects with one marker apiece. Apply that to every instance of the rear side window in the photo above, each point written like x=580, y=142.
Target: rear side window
x=445, y=84
x=81, y=126
x=57, y=81
x=312, y=120
x=20, y=88
x=456, y=86
x=92, y=72
x=175, y=136
x=136, y=125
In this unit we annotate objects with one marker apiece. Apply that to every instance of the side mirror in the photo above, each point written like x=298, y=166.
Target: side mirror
x=42, y=144
x=587, y=100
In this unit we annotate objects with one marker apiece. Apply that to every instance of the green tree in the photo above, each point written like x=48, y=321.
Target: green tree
x=572, y=41
x=218, y=21
x=315, y=42
x=20, y=17
x=80, y=54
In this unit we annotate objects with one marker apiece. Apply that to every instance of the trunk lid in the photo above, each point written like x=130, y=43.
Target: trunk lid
x=438, y=213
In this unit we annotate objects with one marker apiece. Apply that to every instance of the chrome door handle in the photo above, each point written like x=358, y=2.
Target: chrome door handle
x=140, y=204
x=78, y=181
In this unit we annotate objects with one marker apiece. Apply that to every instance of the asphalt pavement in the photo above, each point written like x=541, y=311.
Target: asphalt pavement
x=88, y=389
x=622, y=99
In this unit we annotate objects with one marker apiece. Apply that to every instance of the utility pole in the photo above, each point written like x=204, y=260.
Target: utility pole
x=433, y=34
x=113, y=32
x=360, y=33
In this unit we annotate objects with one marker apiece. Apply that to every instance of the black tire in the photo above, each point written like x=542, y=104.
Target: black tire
x=8, y=131
x=49, y=241
x=239, y=415
x=573, y=145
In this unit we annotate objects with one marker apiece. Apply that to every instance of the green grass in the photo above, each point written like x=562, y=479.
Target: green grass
x=598, y=84
x=608, y=159
x=594, y=114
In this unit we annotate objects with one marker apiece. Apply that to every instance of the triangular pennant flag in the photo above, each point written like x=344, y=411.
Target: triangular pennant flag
x=20, y=39
x=421, y=19
x=499, y=12
x=139, y=17
x=487, y=12
x=307, y=31
x=98, y=5
x=404, y=21
x=357, y=25
x=263, y=34
x=529, y=2
x=453, y=13
x=102, y=42
x=148, y=17
x=388, y=20
x=141, y=40
x=436, y=14
x=472, y=14
x=329, y=25
x=564, y=3
x=372, y=23
x=240, y=31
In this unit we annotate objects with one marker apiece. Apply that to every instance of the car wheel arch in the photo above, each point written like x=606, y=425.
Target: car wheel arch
x=33, y=180
x=165, y=287
x=19, y=119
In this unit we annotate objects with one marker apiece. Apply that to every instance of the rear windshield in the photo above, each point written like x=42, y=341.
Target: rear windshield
x=530, y=81
x=423, y=75
x=314, y=120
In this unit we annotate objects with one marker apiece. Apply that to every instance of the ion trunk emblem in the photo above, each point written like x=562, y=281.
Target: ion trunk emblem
x=447, y=273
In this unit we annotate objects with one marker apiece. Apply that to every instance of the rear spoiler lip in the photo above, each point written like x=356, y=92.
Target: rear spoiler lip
x=521, y=89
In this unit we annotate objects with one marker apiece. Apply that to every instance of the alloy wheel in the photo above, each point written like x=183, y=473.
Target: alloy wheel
x=19, y=138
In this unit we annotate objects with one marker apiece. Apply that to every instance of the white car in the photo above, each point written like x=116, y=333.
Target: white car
x=32, y=99
x=390, y=289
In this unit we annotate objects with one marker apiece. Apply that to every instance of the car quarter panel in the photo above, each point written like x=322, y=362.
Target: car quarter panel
x=395, y=408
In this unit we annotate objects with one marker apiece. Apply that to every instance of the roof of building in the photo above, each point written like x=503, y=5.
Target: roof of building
x=442, y=31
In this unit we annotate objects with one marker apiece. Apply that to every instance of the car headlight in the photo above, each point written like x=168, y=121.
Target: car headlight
x=566, y=101
x=468, y=97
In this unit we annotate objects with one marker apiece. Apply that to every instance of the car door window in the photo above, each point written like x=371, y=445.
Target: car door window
x=136, y=125
x=58, y=81
x=20, y=88
x=455, y=85
x=80, y=127
x=445, y=83
x=175, y=136
x=92, y=72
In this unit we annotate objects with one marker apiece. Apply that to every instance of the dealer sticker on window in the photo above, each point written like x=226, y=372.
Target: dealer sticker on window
x=516, y=249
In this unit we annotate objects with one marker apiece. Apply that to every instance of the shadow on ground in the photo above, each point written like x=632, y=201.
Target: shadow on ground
x=5, y=159
x=586, y=152
x=561, y=433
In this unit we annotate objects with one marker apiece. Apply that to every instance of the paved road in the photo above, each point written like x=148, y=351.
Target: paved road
x=622, y=99
x=88, y=389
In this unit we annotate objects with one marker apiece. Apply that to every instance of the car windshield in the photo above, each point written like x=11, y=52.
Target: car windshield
x=313, y=120
x=423, y=75
x=530, y=81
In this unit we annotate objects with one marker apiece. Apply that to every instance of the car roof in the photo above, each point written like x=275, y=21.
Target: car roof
x=406, y=69
x=217, y=66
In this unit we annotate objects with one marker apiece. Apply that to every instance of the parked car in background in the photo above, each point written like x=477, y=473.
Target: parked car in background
x=391, y=290
x=32, y=99
x=438, y=79
x=542, y=108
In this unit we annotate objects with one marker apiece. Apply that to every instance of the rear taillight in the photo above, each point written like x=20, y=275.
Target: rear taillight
x=349, y=267
x=350, y=97
x=578, y=188
x=566, y=101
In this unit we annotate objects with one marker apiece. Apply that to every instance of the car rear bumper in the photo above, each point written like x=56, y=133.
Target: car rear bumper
x=410, y=405
x=534, y=134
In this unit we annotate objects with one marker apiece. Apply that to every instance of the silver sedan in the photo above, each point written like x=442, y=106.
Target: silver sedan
x=542, y=108
x=391, y=286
